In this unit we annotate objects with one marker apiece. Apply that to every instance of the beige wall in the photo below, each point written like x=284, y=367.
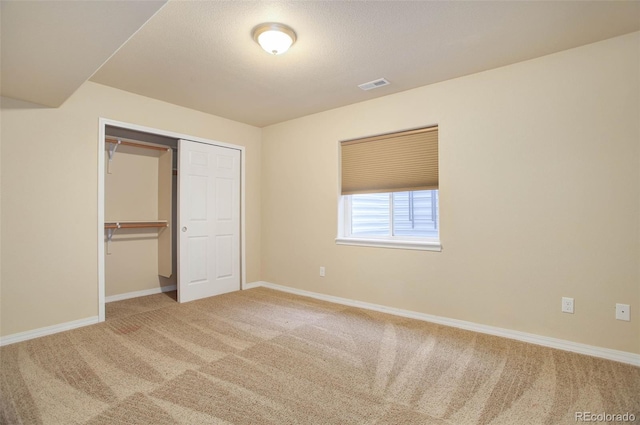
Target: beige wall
x=131, y=194
x=49, y=198
x=540, y=187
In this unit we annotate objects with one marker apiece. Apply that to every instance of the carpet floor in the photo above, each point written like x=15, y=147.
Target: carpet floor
x=266, y=357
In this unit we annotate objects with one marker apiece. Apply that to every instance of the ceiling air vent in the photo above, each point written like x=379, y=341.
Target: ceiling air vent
x=374, y=84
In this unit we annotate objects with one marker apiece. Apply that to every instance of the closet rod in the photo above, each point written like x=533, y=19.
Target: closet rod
x=138, y=145
x=134, y=225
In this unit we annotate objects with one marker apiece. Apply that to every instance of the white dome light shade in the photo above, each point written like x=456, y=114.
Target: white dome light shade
x=275, y=42
x=274, y=38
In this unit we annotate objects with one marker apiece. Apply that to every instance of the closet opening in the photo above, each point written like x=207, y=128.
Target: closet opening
x=140, y=207
x=141, y=240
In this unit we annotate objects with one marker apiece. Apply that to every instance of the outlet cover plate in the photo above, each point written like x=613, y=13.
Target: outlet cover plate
x=622, y=312
x=567, y=305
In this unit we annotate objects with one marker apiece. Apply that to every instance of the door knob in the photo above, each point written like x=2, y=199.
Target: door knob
x=184, y=229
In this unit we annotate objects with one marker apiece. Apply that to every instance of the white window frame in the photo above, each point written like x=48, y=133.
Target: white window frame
x=400, y=242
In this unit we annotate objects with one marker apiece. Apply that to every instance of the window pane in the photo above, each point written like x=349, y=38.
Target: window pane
x=416, y=213
x=370, y=214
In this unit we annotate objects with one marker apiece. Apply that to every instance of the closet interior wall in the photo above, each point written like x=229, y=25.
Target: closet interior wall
x=135, y=181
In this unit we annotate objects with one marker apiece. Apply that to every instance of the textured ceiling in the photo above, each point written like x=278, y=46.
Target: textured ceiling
x=200, y=54
x=50, y=48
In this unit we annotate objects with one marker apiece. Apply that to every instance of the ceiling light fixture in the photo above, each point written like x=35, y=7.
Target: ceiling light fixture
x=274, y=38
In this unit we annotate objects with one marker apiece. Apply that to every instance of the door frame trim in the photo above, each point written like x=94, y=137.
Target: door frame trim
x=102, y=124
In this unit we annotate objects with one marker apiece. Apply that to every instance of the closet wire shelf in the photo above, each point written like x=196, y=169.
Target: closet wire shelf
x=112, y=226
x=114, y=143
x=134, y=224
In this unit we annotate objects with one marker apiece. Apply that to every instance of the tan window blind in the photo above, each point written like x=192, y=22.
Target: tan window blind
x=394, y=162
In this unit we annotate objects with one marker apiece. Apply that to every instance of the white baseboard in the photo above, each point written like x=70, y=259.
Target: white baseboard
x=48, y=330
x=137, y=294
x=252, y=285
x=561, y=344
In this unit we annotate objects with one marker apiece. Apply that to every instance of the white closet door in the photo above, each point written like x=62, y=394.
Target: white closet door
x=209, y=220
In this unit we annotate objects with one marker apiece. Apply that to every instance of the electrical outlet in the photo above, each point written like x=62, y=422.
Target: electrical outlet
x=321, y=271
x=567, y=305
x=622, y=312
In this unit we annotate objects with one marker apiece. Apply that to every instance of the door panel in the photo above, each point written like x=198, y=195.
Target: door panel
x=224, y=259
x=224, y=199
x=209, y=220
x=198, y=259
x=198, y=197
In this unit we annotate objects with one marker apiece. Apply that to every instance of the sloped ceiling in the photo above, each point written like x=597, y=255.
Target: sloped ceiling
x=50, y=48
x=200, y=54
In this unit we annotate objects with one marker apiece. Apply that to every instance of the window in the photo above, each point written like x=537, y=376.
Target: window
x=413, y=214
x=390, y=191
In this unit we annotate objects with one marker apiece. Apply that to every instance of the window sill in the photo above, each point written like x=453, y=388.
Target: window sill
x=389, y=243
